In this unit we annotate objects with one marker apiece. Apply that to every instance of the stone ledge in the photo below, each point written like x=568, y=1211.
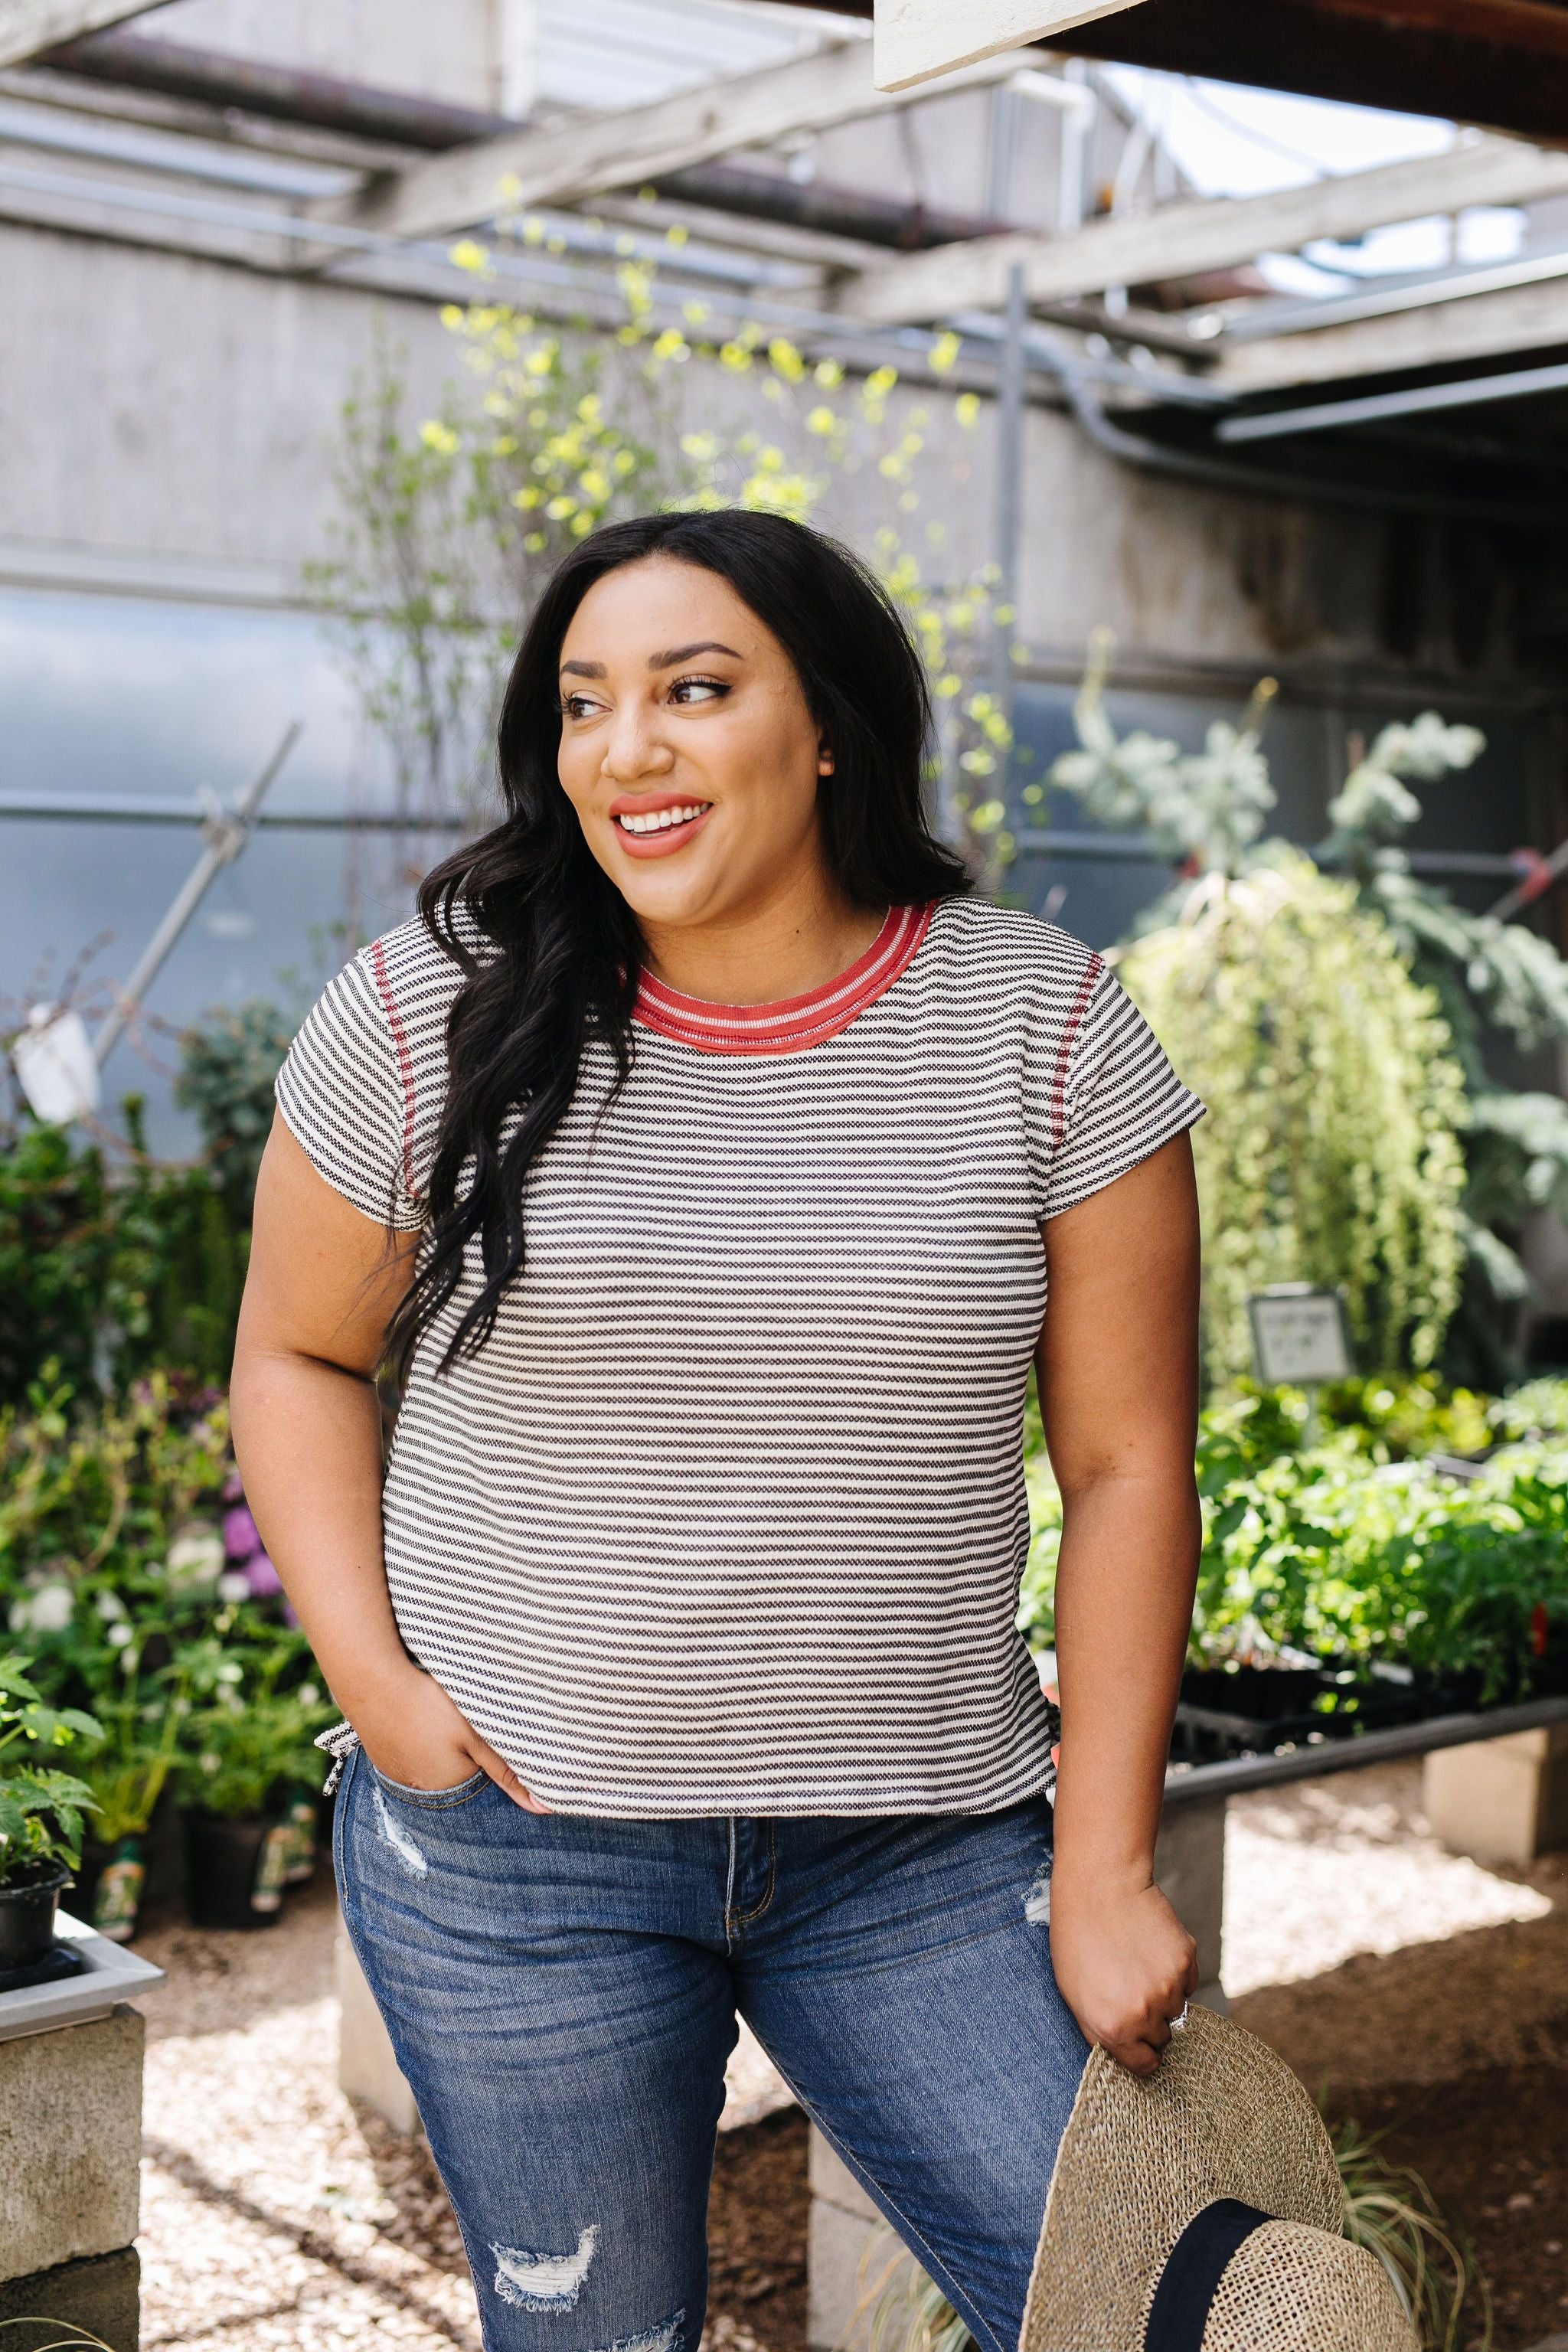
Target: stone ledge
x=70, y=2143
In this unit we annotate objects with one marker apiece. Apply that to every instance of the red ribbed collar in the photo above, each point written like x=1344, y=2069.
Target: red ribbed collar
x=798, y=1021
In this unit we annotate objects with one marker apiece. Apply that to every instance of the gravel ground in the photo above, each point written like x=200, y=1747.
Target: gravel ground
x=276, y=2218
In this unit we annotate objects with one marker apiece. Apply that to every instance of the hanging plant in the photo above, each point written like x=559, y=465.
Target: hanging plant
x=1330, y=1153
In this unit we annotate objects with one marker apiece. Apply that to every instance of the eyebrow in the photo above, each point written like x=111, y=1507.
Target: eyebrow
x=684, y=653
x=582, y=669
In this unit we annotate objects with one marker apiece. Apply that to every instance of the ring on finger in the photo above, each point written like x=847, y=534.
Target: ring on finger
x=1179, y=2021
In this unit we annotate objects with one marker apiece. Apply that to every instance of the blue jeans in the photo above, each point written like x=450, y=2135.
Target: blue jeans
x=562, y=1994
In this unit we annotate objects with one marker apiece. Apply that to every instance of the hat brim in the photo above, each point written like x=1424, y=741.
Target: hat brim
x=1222, y=2116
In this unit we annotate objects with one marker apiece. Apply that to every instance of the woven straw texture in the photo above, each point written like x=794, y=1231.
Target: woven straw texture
x=1222, y=2116
x=1293, y=2286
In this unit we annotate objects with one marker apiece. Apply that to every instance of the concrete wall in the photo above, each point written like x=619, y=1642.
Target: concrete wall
x=453, y=51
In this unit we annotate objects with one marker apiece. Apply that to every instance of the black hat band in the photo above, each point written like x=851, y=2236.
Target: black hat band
x=1190, y=2280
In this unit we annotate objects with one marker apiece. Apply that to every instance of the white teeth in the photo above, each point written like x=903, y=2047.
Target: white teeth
x=657, y=821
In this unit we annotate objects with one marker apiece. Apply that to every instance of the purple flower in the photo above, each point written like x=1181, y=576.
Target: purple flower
x=241, y=1536
x=262, y=1577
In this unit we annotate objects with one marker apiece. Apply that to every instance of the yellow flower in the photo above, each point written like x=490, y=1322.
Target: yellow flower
x=946, y=351
x=823, y=421
x=561, y=508
x=735, y=357
x=438, y=437
x=701, y=447
x=535, y=542
x=948, y=685
x=676, y=234
x=966, y=408
x=527, y=498
x=787, y=360
x=594, y=484
x=454, y=318
x=467, y=255
x=828, y=373
x=671, y=345
x=694, y=313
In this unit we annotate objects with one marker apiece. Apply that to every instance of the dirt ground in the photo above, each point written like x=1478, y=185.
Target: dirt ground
x=1422, y=1996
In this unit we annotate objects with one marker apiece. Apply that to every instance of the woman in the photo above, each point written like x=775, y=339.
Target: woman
x=699, y=1159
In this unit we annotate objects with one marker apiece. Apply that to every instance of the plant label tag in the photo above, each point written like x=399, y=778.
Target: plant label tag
x=1298, y=1336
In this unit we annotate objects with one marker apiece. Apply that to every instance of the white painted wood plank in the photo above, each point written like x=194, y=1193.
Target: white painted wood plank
x=917, y=40
x=27, y=26
x=1184, y=239
x=634, y=143
x=1486, y=326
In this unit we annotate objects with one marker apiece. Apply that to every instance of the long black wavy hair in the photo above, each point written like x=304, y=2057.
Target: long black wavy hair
x=558, y=952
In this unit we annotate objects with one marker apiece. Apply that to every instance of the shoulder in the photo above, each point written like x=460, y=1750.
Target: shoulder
x=1011, y=959
x=409, y=973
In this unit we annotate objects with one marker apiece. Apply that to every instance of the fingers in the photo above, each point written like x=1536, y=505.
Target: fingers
x=505, y=1778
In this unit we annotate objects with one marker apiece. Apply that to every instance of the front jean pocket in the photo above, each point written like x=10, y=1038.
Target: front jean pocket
x=431, y=1799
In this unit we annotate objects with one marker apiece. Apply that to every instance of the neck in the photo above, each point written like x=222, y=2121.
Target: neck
x=803, y=936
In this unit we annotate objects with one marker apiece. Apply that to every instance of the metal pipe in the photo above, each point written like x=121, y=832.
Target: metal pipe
x=138, y=808
x=1267, y=319
x=1011, y=387
x=228, y=831
x=1275, y=423
x=214, y=78
x=1541, y=875
x=1141, y=849
x=1242, y=1772
x=1154, y=457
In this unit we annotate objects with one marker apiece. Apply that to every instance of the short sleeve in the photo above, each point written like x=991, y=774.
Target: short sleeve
x=1102, y=1093
x=347, y=1092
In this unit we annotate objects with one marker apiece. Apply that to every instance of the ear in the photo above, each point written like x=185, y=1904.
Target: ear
x=825, y=757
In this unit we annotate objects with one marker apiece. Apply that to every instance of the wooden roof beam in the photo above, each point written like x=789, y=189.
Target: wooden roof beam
x=634, y=144
x=1185, y=240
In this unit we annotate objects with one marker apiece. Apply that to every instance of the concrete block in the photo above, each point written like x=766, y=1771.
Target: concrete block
x=853, y=2260
x=101, y=2297
x=367, y=2066
x=1189, y=1868
x=70, y=2143
x=1500, y=1800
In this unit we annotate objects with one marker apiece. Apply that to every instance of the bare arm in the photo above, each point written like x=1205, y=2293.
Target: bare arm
x=1119, y=1375
x=322, y=1285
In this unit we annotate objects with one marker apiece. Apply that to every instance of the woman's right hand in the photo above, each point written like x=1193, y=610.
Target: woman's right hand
x=414, y=1733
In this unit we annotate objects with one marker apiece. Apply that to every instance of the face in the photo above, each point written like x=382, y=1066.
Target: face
x=687, y=747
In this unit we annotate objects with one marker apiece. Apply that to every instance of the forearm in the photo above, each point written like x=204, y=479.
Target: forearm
x=1124, y=1597
x=307, y=1436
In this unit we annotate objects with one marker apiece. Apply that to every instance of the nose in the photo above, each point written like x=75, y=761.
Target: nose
x=635, y=755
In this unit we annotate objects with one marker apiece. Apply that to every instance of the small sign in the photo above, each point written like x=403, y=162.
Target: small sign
x=1299, y=1336
x=917, y=40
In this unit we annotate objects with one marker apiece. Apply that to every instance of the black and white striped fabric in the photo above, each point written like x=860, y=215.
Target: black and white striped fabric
x=728, y=1515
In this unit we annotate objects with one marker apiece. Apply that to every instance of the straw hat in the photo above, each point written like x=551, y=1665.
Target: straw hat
x=1200, y=2209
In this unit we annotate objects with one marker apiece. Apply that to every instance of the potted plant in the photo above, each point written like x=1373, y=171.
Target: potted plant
x=246, y=1751
x=42, y=1814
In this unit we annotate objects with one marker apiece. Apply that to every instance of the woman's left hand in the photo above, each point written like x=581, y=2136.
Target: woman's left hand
x=1124, y=1964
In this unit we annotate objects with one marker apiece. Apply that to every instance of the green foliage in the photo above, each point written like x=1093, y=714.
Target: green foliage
x=1360, y=1547
x=1390, y=2211
x=1486, y=979
x=109, y=1271
x=248, y=1737
x=42, y=1810
x=113, y=1570
x=1330, y=1153
x=1206, y=806
x=446, y=532
x=228, y=1065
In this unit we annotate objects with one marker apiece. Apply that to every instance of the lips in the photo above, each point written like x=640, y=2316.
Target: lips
x=653, y=824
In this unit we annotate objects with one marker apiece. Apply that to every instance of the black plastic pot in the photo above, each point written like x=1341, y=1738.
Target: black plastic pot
x=236, y=1870
x=27, y=1919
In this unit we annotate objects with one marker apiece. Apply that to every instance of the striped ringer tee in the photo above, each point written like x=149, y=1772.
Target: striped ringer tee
x=728, y=1515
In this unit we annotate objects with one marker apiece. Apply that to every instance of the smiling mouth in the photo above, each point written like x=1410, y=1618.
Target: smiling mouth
x=667, y=820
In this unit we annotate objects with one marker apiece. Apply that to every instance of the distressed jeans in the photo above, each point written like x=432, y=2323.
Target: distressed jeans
x=561, y=1993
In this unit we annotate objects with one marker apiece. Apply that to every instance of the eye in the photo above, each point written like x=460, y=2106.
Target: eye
x=699, y=689
x=577, y=705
